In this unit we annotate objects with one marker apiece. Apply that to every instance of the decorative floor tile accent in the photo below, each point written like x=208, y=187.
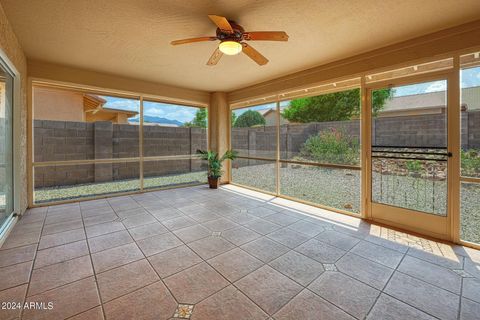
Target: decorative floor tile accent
x=184, y=311
x=216, y=234
x=462, y=273
x=329, y=267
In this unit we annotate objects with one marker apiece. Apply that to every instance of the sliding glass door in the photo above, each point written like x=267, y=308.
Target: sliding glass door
x=6, y=144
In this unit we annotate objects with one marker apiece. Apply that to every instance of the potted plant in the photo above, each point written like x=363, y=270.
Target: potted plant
x=215, y=164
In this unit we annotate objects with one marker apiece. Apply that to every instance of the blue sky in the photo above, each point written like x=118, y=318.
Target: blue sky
x=272, y=105
x=469, y=78
x=153, y=109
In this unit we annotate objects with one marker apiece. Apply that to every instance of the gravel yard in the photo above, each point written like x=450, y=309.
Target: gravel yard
x=340, y=188
x=92, y=189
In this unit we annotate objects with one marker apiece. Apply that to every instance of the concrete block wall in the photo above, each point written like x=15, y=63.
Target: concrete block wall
x=63, y=140
x=471, y=138
x=420, y=131
x=414, y=131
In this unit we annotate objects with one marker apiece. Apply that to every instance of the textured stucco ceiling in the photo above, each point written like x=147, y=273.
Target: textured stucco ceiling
x=131, y=37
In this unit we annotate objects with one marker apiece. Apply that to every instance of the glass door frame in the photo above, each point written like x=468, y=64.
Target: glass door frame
x=442, y=227
x=16, y=133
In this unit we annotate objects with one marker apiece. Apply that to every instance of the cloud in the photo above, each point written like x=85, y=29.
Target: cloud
x=122, y=104
x=154, y=111
x=182, y=115
x=169, y=111
x=436, y=86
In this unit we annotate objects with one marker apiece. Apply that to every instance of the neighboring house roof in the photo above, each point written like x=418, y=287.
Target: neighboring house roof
x=430, y=101
x=265, y=112
x=94, y=108
x=92, y=102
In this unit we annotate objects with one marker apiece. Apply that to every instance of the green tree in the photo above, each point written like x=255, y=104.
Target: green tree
x=234, y=118
x=336, y=106
x=200, y=119
x=249, y=118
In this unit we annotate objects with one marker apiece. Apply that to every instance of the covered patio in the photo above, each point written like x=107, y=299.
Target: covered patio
x=343, y=137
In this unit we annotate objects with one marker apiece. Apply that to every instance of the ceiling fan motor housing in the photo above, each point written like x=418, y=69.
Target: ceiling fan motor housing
x=237, y=34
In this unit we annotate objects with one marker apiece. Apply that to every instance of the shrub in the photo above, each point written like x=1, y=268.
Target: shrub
x=414, y=165
x=470, y=163
x=331, y=146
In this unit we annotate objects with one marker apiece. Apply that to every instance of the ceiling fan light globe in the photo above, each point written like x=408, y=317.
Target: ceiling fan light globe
x=230, y=48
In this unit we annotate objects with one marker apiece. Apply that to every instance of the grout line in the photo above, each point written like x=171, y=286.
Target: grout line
x=154, y=270
x=93, y=268
x=460, y=299
x=71, y=317
x=61, y=286
x=62, y=261
x=228, y=281
x=385, y=285
x=33, y=262
x=205, y=261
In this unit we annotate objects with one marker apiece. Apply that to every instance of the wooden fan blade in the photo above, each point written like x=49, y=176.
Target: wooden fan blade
x=217, y=54
x=266, y=35
x=200, y=39
x=221, y=22
x=254, y=54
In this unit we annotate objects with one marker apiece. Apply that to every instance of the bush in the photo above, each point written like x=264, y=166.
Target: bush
x=470, y=163
x=332, y=146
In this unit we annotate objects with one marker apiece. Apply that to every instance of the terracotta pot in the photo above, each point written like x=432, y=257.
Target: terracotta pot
x=213, y=182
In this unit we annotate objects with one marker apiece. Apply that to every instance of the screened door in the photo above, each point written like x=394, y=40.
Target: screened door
x=409, y=156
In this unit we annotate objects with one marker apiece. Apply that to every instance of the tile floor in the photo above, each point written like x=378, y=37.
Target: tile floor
x=227, y=254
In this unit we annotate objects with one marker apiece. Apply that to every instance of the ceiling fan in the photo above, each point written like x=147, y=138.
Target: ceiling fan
x=232, y=40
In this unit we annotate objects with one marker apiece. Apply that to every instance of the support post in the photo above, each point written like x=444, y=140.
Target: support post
x=219, y=129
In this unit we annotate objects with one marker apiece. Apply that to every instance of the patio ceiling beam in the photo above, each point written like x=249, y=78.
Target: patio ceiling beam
x=436, y=45
x=94, y=80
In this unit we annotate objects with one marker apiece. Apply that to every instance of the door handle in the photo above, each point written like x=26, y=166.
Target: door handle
x=449, y=154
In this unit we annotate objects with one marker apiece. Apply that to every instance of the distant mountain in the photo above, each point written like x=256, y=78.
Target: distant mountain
x=159, y=120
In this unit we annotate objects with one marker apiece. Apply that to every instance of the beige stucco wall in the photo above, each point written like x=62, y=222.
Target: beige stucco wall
x=53, y=104
x=12, y=49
